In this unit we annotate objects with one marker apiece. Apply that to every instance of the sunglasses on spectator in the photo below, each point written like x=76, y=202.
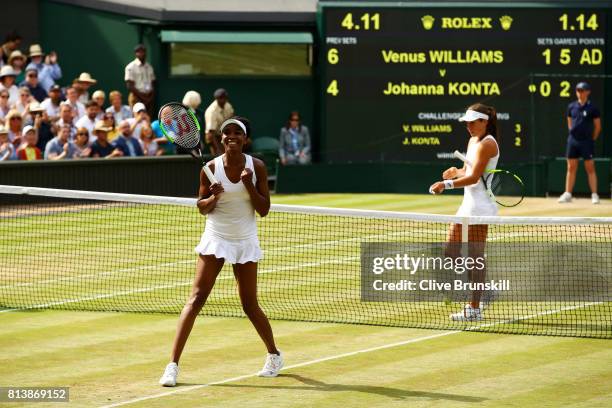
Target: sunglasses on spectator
x=26, y=95
x=295, y=119
x=4, y=96
x=32, y=75
x=15, y=118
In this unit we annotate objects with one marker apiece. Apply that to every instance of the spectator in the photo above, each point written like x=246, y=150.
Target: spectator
x=31, y=82
x=28, y=150
x=41, y=124
x=7, y=81
x=109, y=121
x=4, y=106
x=60, y=147
x=11, y=43
x=101, y=147
x=67, y=118
x=218, y=112
x=148, y=143
x=294, y=146
x=49, y=71
x=78, y=109
x=193, y=100
x=140, y=118
x=22, y=104
x=128, y=144
x=7, y=150
x=15, y=124
x=140, y=79
x=99, y=97
x=17, y=61
x=82, y=85
x=117, y=108
x=584, y=126
x=89, y=120
x=81, y=143
x=52, y=103
x=167, y=146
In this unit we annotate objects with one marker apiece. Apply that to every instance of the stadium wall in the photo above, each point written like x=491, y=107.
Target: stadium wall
x=91, y=41
x=176, y=176
x=102, y=43
x=542, y=178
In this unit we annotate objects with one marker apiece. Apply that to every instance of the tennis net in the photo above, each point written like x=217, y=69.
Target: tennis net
x=79, y=250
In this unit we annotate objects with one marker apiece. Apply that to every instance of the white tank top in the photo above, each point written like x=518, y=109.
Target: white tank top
x=476, y=201
x=233, y=218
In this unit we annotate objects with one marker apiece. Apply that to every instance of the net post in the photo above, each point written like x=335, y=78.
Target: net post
x=464, y=229
x=464, y=236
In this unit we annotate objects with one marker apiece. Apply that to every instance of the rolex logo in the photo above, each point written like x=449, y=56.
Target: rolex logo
x=506, y=22
x=428, y=22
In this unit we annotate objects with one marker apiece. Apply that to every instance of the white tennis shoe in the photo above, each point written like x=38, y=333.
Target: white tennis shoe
x=565, y=198
x=274, y=363
x=170, y=374
x=595, y=198
x=469, y=314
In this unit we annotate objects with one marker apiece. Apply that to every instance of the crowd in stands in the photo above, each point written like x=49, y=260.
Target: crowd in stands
x=41, y=119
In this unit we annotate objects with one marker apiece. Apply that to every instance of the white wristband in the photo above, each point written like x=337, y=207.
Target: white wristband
x=448, y=184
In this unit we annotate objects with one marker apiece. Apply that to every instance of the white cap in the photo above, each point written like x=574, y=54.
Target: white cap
x=35, y=107
x=7, y=70
x=235, y=122
x=139, y=106
x=472, y=115
x=28, y=128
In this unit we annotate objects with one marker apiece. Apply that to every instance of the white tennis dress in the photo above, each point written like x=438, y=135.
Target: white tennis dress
x=476, y=201
x=231, y=228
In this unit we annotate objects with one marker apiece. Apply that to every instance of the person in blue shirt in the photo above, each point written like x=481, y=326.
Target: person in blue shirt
x=48, y=69
x=60, y=147
x=161, y=140
x=101, y=148
x=584, y=125
x=294, y=141
x=33, y=85
x=129, y=146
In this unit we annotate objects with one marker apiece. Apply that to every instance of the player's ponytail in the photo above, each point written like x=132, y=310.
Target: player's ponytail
x=492, y=113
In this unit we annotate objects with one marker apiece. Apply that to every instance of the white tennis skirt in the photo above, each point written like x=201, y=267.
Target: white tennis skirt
x=471, y=209
x=234, y=252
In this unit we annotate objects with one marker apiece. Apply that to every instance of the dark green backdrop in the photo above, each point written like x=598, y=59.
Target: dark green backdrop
x=102, y=43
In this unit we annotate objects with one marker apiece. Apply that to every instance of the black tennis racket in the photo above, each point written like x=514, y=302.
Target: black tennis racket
x=180, y=126
x=505, y=188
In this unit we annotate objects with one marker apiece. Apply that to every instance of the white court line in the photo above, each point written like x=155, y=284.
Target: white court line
x=153, y=288
x=324, y=244
x=306, y=363
x=169, y=286
x=97, y=274
x=320, y=244
x=338, y=356
x=546, y=313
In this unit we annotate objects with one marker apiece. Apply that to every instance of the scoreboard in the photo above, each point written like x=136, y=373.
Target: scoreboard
x=395, y=79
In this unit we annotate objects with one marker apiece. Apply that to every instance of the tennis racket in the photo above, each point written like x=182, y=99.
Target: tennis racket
x=503, y=187
x=180, y=126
